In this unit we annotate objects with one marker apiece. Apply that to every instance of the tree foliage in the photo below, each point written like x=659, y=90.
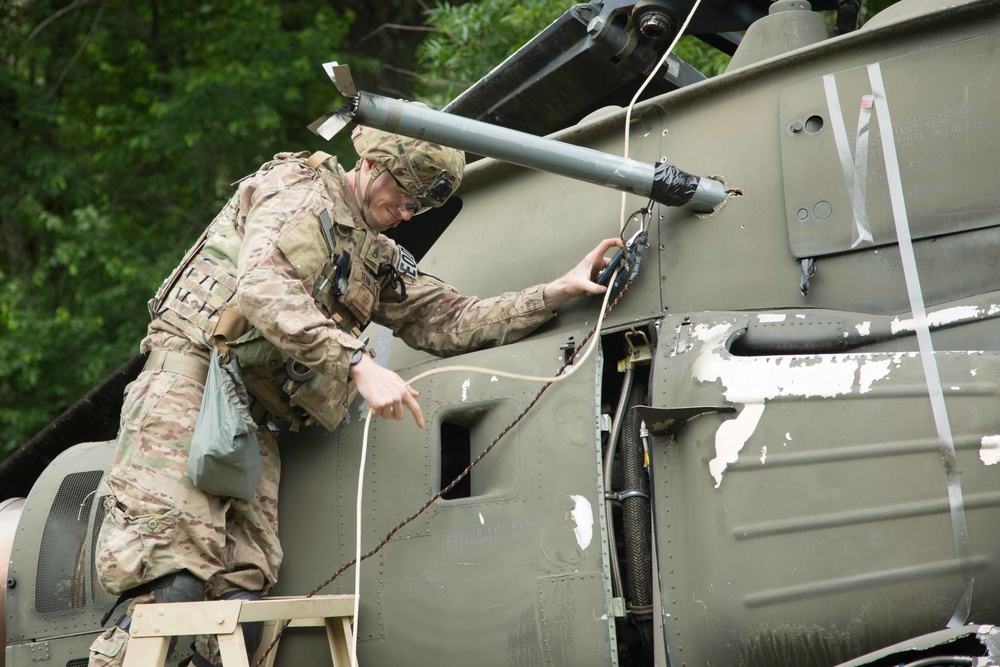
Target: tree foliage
x=122, y=125
x=473, y=38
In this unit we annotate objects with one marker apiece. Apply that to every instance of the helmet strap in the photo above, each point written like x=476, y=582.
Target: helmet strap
x=363, y=202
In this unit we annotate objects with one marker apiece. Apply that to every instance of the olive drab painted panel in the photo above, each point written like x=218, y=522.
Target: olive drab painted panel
x=945, y=129
x=517, y=565
x=790, y=528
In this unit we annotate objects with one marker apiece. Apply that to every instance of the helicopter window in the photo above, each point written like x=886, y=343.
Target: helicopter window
x=463, y=432
x=456, y=446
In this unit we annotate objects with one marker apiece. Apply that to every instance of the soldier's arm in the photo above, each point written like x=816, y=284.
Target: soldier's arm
x=437, y=319
x=275, y=290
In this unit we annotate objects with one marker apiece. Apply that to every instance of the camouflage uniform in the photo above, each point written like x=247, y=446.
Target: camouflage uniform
x=279, y=238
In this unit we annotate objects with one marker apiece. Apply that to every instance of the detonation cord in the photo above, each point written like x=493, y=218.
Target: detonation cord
x=571, y=363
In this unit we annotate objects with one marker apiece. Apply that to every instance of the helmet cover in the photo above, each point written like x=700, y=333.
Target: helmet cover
x=428, y=171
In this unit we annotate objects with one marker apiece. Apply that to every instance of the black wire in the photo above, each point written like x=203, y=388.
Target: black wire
x=464, y=473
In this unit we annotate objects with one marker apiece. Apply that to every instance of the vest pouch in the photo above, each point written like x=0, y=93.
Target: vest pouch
x=253, y=350
x=361, y=295
x=263, y=369
x=322, y=398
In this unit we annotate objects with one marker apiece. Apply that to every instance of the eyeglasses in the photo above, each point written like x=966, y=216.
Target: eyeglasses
x=435, y=194
x=410, y=203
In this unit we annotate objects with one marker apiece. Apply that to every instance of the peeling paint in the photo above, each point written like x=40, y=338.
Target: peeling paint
x=494, y=379
x=753, y=381
x=704, y=332
x=938, y=319
x=763, y=455
x=864, y=329
x=731, y=437
x=973, y=371
x=482, y=520
x=994, y=309
x=989, y=450
x=771, y=317
x=583, y=516
x=872, y=371
x=465, y=389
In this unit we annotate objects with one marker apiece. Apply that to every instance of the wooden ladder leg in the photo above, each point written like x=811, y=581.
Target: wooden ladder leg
x=233, y=649
x=146, y=651
x=340, y=637
x=270, y=632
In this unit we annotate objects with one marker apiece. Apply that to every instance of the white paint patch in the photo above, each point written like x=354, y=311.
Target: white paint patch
x=731, y=437
x=973, y=371
x=989, y=450
x=482, y=520
x=465, y=389
x=956, y=388
x=703, y=332
x=771, y=317
x=801, y=317
x=994, y=309
x=788, y=436
x=864, y=329
x=583, y=516
x=763, y=455
x=494, y=379
x=752, y=381
x=939, y=318
x=872, y=371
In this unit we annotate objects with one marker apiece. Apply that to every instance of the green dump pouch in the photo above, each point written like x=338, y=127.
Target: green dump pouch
x=224, y=459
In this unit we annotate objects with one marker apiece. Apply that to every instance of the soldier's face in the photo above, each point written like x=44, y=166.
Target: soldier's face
x=389, y=203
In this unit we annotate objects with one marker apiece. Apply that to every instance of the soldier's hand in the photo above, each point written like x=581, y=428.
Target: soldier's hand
x=580, y=280
x=387, y=393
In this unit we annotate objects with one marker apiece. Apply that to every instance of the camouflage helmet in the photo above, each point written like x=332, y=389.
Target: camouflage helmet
x=430, y=172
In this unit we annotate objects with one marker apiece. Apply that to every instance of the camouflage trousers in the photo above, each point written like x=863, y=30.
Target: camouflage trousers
x=157, y=522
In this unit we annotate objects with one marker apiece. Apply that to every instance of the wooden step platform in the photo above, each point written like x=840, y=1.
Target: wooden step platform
x=153, y=625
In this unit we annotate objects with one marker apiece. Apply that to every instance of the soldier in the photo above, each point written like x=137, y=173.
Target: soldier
x=291, y=270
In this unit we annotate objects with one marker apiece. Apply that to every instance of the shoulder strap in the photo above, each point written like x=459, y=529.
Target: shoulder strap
x=317, y=158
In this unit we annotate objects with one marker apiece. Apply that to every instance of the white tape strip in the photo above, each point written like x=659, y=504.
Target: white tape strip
x=924, y=344
x=856, y=185
x=862, y=232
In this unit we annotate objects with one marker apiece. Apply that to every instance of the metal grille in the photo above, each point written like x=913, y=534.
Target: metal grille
x=101, y=597
x=77, y=663
x=61, y=562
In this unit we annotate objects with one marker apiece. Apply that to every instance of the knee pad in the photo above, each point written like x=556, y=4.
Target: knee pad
x=179, y=587
x=252, y=632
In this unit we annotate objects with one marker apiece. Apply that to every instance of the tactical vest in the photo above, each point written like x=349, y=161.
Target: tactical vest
x=355, y=264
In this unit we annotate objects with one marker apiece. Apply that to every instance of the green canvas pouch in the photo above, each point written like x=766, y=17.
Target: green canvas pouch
x=224, y=458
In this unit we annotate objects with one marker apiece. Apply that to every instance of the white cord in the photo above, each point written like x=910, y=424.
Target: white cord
x=455, y=369
x=504, y=374
x=645, y=84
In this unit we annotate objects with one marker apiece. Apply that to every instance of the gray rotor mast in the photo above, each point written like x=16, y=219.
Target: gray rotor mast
x=661, y=182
